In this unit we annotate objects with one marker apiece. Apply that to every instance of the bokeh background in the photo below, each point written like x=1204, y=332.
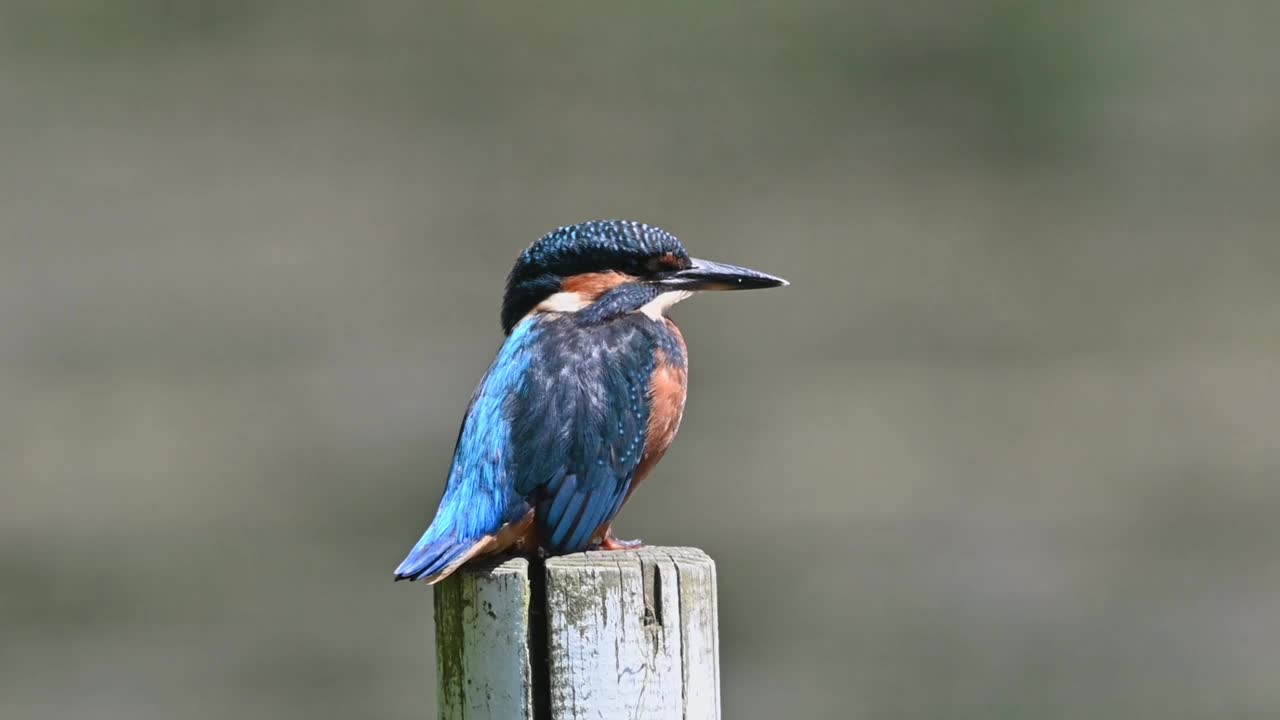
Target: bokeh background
x=1005, y=449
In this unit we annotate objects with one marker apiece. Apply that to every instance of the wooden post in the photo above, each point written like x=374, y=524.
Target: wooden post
x=589, y=635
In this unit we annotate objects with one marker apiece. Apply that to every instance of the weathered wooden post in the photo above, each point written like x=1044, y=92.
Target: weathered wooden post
x=589, y=635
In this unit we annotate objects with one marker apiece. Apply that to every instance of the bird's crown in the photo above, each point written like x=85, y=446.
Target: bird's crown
x=599, y=246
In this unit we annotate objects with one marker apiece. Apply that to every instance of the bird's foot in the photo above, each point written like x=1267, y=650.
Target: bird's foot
x=612, y=543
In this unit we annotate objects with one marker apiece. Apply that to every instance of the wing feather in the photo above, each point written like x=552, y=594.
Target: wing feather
x=579, y=432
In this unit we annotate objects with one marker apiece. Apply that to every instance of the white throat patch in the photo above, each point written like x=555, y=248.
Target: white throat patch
x=657, y=307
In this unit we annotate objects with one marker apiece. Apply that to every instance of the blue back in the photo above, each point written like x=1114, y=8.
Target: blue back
x=478, y=499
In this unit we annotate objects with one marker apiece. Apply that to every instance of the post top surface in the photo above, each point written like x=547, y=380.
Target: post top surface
x=684, y=555
x=515, y=565
x=498, y=565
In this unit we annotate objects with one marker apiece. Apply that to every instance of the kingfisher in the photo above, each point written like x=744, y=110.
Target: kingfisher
x=583, y=399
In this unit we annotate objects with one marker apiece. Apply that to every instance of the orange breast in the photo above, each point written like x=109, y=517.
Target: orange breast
x=667, y=390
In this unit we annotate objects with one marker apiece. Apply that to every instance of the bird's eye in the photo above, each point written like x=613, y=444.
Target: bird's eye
x=662, y=263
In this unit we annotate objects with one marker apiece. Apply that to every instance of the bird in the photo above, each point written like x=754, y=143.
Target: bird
x=583, y=399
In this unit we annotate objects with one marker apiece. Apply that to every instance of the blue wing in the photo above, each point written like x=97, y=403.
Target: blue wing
x=579, y=427
x=479, y=498
x=558, y=424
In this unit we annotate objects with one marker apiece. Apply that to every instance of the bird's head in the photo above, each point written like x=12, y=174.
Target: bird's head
x=614, y=266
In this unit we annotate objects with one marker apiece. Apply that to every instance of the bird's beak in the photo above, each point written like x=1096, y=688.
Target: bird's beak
x=707, y=275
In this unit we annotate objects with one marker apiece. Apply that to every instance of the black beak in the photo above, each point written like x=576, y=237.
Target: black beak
x=707, y=275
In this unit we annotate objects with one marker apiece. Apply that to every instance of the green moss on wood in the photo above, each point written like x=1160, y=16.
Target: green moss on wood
x=452, y=599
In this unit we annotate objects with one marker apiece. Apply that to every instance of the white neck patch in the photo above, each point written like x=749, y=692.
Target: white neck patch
x=562, y=302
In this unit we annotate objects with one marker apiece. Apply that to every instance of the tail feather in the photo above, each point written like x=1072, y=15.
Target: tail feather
x=440, y=552
x=434, y=557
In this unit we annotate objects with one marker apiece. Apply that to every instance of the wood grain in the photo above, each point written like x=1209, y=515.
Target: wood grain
x=633, y=635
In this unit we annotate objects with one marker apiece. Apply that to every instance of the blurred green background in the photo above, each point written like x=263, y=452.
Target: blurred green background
x=1005, y=449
